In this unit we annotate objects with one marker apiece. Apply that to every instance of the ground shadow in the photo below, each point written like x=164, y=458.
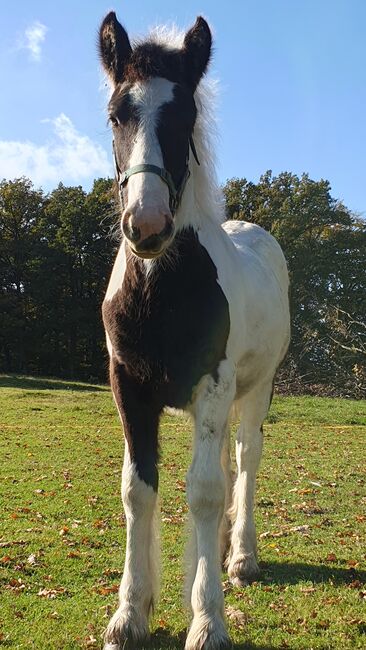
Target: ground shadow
x=161, y=639
x=40, y=383
x=277, y=573
x=287, y=573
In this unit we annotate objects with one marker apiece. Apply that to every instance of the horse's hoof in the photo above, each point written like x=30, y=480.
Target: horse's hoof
x=127, y=630
x=243, y=570
x=208, y=634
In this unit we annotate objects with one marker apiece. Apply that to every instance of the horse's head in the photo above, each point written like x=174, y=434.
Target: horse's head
x=152, y=113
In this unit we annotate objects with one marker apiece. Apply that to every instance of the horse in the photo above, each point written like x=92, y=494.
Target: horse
x=196, y=318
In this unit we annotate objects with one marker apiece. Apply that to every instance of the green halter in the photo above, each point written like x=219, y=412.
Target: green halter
x=175, y=193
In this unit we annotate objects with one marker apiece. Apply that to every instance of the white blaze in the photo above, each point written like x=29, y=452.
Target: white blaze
x=147, y=190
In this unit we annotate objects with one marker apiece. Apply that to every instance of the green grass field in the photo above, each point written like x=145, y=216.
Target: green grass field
x=62, y=528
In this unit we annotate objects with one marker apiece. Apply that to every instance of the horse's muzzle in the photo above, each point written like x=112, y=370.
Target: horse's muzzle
x=145, y=243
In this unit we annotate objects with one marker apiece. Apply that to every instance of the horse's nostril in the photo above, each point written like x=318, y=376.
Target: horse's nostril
x=131, y=232
x=135, y=234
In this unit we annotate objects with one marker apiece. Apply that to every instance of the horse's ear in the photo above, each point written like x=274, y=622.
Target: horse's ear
x=114, y=47
x=197, y=51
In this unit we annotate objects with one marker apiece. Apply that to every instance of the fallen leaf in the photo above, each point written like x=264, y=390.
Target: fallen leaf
x=112, y=573
x=236, y=616
x=104, y=591
x=18, y=542
x=51, y=593
x=64, y=530
x=352, y=564
x=16, y=585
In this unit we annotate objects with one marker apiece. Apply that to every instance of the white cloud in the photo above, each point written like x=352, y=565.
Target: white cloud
x=33, y=38
x=70, y=157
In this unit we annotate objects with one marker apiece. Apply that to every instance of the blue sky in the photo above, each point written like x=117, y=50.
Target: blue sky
x=292, y=76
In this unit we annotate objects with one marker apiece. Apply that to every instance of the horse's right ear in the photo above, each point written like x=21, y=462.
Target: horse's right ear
x=114, y=47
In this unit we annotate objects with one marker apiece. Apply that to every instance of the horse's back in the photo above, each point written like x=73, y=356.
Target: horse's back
x=257, y=291
x=249, y=238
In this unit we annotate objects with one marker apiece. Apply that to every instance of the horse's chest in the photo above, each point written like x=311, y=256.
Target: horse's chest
x=170, y=328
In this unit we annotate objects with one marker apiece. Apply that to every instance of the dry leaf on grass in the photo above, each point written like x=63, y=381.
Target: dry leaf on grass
x=64, y=530
x=331, y=557
x=236, y=616
x=51, y=593
x=91, y=642
x=105, y=591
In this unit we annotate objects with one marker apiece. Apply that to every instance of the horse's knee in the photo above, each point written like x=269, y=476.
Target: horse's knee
x=206, y=496
x=137, y=495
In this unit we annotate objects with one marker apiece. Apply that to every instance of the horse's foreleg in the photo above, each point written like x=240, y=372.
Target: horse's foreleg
x=242, y=561
x=128, y=628
x=206, y=497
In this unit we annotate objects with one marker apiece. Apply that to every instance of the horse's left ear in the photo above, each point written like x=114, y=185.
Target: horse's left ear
x=197, y=51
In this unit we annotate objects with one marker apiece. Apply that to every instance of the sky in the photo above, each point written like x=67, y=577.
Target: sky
x=292, y=80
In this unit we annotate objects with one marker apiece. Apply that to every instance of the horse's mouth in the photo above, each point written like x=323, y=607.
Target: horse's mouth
x=151, y=254
x=146, y=255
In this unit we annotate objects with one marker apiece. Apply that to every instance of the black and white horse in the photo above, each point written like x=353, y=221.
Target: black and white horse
x=196, y=318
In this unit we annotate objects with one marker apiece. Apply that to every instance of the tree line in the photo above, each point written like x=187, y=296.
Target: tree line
x=57, y=251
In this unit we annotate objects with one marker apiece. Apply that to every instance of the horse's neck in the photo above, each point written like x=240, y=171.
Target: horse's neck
x=201, y=204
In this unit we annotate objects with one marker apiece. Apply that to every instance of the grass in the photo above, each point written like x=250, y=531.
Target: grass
x=62, y=533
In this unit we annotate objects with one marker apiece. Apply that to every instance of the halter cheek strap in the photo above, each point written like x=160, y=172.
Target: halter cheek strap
x=175, y=193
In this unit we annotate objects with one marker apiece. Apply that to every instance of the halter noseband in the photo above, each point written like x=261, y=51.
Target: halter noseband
x=175, y=193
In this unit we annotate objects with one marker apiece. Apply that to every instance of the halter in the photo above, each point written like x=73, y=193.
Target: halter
x=175, y=193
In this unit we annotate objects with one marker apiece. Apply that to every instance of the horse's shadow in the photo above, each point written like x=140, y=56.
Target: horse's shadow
x=38, y=383
x=275, y=573
x=284, y=573
x=163, y=640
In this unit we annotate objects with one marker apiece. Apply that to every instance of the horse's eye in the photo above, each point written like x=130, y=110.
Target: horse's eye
x=113, y=120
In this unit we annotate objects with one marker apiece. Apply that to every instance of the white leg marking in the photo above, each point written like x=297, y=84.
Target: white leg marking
x=206, y=497
x=242, y=563
x=139, y=585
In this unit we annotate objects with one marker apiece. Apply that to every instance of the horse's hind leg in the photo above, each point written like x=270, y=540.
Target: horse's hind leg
x=225, y=526
x=128, y=627
x=242, y=560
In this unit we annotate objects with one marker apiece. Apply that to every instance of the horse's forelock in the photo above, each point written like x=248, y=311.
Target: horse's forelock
x=150, y=60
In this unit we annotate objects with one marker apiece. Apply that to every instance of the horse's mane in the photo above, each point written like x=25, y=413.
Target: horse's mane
x=208, y=194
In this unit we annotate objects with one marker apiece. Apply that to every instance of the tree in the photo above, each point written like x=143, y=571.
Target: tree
x=55, y=257
x=76, y=228
x=20, y=208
